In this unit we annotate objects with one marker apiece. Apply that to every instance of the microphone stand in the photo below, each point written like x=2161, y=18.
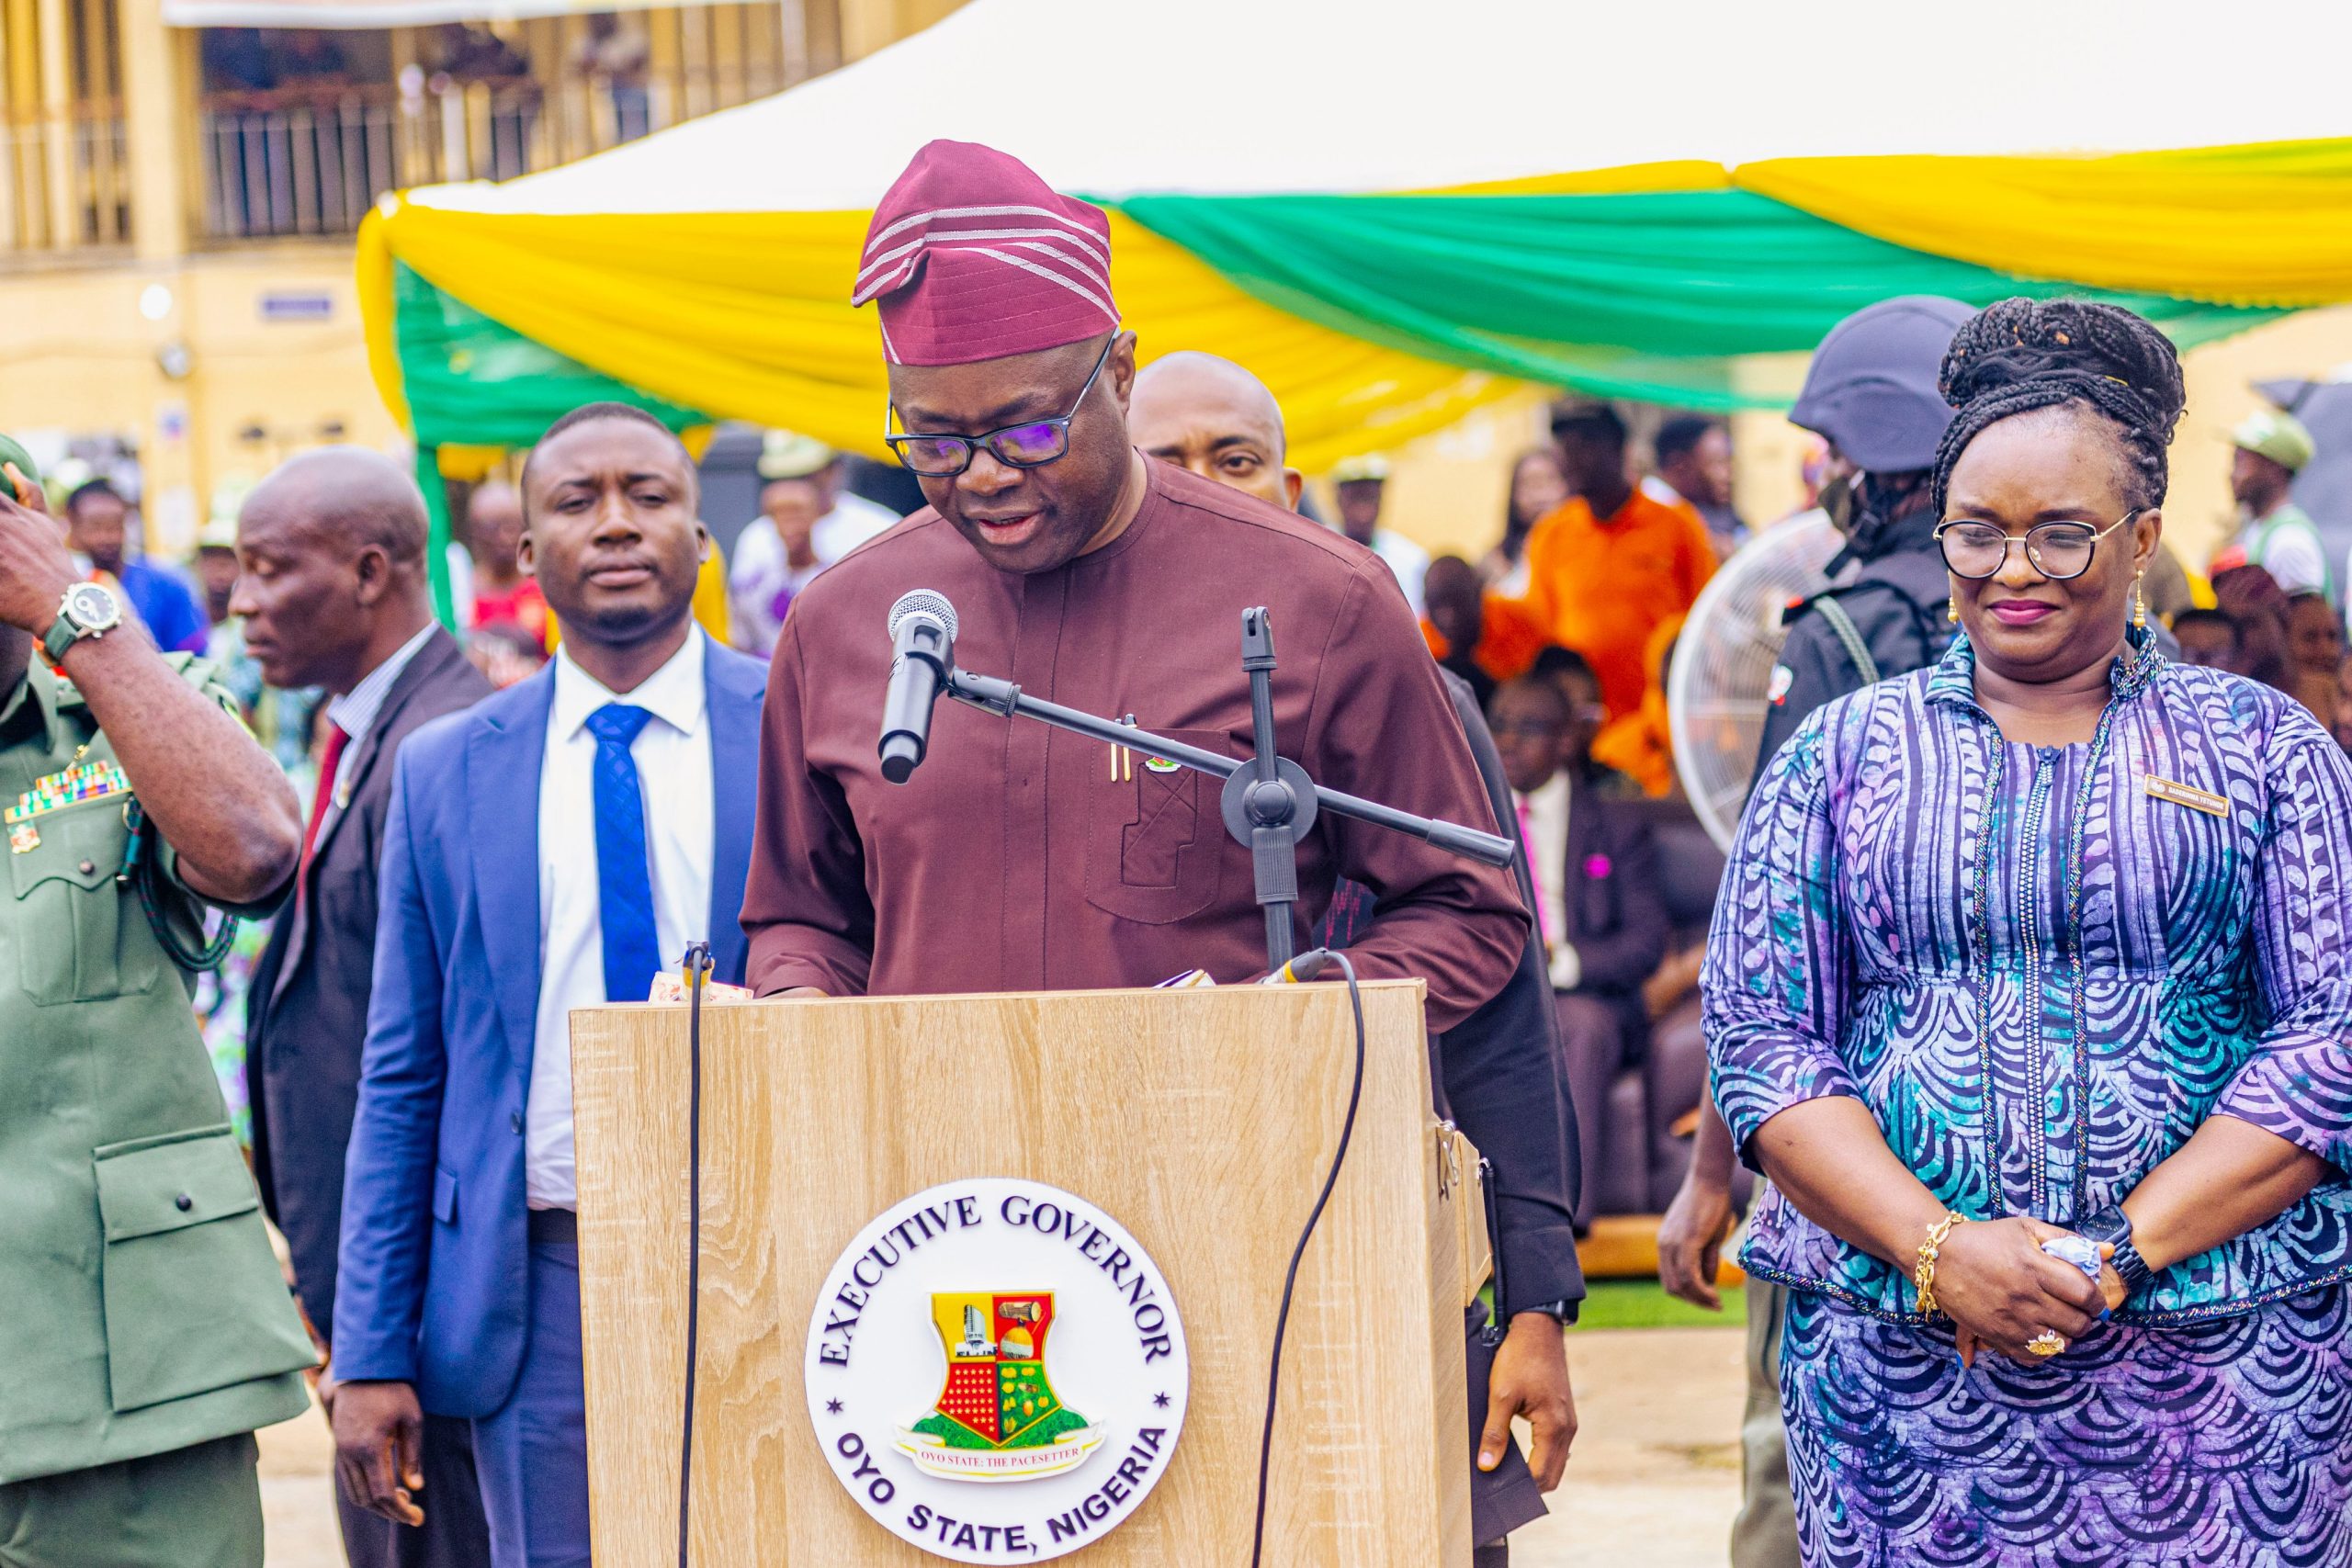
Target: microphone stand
x=1268, y=802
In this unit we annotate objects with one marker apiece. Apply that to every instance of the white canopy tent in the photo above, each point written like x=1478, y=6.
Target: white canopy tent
x=1115, y=97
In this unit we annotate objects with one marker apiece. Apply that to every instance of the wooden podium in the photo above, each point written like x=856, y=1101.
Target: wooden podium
x=1203, y=1121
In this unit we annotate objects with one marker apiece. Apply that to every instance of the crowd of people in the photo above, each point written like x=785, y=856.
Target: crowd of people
x=2022, y=1007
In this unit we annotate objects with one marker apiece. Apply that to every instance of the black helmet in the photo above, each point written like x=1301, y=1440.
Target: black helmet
x=1871, y=387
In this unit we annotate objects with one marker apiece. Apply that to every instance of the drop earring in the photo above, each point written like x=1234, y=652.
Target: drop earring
x=2138, y=606
x=1951, y=609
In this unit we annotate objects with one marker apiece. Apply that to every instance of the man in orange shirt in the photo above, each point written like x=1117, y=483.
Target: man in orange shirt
x=1610, y=564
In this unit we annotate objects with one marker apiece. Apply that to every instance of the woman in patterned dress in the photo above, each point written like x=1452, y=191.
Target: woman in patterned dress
x=2054, y=937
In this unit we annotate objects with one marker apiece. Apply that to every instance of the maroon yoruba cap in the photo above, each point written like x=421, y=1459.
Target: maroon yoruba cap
x=972, y=257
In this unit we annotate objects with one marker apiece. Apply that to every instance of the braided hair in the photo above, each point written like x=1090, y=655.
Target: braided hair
x=2021, y=355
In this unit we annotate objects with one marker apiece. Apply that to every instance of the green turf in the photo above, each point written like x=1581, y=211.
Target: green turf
x=1640, y=1303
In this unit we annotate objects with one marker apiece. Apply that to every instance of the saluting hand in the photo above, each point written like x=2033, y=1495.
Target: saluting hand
x=35, y=567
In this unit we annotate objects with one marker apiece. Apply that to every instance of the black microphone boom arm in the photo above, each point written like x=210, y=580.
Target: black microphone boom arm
x=1268, y=801
x=1004, y=697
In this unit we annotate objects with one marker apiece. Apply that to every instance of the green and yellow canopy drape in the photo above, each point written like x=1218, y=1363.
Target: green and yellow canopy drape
x=1375, y=317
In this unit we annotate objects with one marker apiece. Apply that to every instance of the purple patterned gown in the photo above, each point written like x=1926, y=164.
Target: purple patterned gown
x=2041, y=968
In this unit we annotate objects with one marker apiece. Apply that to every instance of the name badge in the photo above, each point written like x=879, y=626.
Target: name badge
x=2185, y=795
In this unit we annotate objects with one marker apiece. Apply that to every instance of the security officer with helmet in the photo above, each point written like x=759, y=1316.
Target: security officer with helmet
x=1871, y=394
x=146, y=1328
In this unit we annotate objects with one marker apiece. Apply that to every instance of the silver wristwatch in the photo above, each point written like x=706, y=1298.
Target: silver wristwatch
x=88, y=609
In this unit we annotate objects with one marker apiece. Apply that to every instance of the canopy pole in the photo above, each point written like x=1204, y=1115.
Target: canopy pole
x=436, y=532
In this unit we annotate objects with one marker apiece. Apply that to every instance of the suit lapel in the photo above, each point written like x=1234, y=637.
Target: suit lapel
x=354, y=778
x=732, y=690
x=422, y=667
x=1577, y=841
x=503, y=753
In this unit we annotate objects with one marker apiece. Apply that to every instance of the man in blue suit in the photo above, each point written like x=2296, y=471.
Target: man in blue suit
x=459, y=1271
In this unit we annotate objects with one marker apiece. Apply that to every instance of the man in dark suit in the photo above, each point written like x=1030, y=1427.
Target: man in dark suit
x=332, y=589
x=1599, y=906
x=1496, y=1074
x=554, y=847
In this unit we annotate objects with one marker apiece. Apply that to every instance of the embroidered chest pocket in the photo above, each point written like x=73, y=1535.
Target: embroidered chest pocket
x=1155, y=844
x=78, y=936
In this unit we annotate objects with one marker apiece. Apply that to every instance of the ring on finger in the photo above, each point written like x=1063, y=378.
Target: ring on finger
x=2047, y=1343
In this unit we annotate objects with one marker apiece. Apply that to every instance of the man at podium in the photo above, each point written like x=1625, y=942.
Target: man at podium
x=1019, y=857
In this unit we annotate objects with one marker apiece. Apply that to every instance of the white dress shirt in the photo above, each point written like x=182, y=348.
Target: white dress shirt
x=354, y=712
x=1407, y=560
x=1544, y=813
x=852, y=521
x=673, y=754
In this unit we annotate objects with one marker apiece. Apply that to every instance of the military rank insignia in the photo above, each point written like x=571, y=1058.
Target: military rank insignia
x=68, y=787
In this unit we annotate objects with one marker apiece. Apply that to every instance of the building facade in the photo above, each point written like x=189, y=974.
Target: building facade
x=179, y=185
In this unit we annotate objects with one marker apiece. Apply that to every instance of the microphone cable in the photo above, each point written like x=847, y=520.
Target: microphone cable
x=698, y=965
x=1290, y=1279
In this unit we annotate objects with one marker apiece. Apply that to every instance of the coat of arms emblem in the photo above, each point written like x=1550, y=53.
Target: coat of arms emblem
x=997, y=1417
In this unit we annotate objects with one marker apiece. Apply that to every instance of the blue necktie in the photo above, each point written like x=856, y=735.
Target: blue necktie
x=624, y=884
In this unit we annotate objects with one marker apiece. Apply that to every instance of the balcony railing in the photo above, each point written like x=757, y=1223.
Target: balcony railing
x=312, y=164
x=64, y=181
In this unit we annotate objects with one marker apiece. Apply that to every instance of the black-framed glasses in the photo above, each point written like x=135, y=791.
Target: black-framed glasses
x=2058, y=550
x=1032, y=443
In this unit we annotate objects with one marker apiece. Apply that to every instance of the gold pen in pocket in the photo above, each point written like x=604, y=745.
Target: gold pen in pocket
x=1122, y=761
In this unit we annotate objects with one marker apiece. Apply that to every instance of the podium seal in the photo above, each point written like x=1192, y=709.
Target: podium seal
x=996, y=1371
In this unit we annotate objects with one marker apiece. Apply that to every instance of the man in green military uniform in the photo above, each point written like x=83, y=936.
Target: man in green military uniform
x=145, y=1328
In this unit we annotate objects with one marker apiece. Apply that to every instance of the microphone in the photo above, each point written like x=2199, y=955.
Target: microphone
x=923, y=650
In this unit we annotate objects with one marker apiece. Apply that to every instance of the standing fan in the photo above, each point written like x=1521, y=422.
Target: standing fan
x=1716, y=688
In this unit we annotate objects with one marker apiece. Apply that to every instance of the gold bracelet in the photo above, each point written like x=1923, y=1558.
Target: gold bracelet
x=1923, y=1278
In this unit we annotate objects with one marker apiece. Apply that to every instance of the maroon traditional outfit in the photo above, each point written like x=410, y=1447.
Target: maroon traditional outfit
x=1022, y=858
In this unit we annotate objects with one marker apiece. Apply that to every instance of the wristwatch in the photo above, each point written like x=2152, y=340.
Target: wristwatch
x=1562, y=1310
x=2112, y=1226
x=88, y=609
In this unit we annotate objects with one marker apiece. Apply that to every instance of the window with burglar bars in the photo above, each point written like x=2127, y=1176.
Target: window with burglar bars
x=64, y=166
x=308, y=156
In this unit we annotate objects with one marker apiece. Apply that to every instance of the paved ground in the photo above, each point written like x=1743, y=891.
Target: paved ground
x=1654, y=1477
x=1653, y=1480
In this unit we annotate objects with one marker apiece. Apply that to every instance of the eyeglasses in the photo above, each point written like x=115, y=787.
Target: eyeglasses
x=1029, y=445
x=2058, y=550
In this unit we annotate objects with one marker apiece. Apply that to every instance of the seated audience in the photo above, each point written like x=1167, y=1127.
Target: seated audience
x=2251, y=597
x=1599, y=908
x=2315, y=647
x=2339, y=723
x=2208, y=639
